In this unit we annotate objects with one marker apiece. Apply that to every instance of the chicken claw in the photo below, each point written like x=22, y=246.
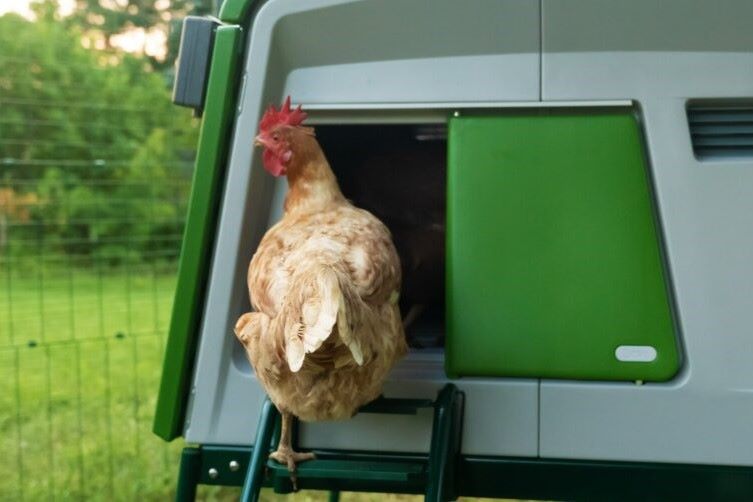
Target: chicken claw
x=290, y=458
x=285, y=454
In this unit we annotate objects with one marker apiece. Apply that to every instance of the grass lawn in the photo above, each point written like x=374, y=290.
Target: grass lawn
x=80, y=359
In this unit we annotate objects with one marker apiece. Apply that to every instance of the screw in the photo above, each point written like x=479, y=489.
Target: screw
x=234, y=465
x=213, y=473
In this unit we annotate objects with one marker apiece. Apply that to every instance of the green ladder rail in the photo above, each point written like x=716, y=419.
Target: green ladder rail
x=264, y=433
x=434, y=475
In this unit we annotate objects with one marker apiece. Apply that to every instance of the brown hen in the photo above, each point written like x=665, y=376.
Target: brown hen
x=324, y=284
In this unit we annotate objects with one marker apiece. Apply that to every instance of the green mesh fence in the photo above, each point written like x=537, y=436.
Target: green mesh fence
x=95, y=169
x=81, y=345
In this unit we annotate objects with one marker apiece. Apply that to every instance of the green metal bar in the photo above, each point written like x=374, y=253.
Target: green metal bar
x=443, y=450
x=334, y=496
x=259, y=453
x=236, y=11
x=188, y=478
x=518, y=478
x=278, y=431
x=199, y=232
x=530, y=478
x=456, y=438
x=352, y=469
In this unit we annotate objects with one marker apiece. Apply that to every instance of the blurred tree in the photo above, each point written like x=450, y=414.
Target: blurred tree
x=100, y=21
x=73, y=124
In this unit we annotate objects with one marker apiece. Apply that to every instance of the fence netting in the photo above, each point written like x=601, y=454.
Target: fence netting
x=95, y=169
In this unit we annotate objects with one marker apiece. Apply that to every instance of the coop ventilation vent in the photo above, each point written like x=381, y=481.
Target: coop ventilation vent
x=720, y=132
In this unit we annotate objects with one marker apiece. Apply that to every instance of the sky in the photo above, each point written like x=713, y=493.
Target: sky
x=22, y=7
x=138, y=40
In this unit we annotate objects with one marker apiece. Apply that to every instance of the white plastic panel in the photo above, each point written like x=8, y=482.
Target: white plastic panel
x=370, y=52
x=662, y=53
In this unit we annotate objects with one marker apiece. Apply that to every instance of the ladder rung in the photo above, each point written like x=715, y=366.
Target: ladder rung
x=351, y=469
x=396, y=406
x=434, y=475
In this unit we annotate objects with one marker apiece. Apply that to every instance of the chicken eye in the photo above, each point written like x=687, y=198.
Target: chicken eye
x=276, y=138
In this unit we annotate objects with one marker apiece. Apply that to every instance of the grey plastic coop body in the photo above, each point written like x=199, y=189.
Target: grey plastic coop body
x=415, y=62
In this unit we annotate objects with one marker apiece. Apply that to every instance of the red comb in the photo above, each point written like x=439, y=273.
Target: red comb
x=285, y=116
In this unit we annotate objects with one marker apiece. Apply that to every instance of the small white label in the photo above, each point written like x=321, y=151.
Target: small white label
x=635, y=353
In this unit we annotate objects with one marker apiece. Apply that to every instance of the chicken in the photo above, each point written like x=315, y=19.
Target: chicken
x=324, y=285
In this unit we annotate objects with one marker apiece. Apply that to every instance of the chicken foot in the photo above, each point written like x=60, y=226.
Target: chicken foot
x=285, y=454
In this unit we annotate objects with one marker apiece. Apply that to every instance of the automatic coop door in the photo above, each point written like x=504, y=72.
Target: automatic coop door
x=554, y=263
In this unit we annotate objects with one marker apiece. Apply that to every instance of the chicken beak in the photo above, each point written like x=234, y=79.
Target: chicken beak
x=259, y=141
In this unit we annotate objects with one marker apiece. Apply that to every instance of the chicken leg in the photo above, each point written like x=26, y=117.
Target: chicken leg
x=285, y=454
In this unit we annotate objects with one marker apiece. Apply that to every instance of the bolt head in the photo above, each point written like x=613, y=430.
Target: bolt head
x=213, y=473
x=234, y=465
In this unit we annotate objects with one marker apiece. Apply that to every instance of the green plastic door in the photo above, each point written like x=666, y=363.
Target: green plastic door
x=554, y=268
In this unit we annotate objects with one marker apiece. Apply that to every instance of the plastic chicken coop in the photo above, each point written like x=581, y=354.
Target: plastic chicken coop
x=592, y=165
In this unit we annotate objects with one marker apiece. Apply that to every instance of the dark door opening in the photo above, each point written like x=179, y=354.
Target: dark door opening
x=398, y=173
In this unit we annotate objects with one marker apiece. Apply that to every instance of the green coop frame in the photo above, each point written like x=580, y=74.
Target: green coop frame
x=200, y=226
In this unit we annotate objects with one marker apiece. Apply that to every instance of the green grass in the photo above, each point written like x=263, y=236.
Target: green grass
x=54, y=304
x=80, y=359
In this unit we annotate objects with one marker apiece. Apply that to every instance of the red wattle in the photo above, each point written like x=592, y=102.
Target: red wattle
x=272, y=163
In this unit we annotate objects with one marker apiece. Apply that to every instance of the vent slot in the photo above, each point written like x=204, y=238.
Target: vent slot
x=721, y=131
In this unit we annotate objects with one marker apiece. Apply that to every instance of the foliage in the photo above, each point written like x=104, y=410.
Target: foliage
x=93, y=140
x=101, y=20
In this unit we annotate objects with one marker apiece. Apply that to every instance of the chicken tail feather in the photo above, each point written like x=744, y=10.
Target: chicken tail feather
x=319, y=306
